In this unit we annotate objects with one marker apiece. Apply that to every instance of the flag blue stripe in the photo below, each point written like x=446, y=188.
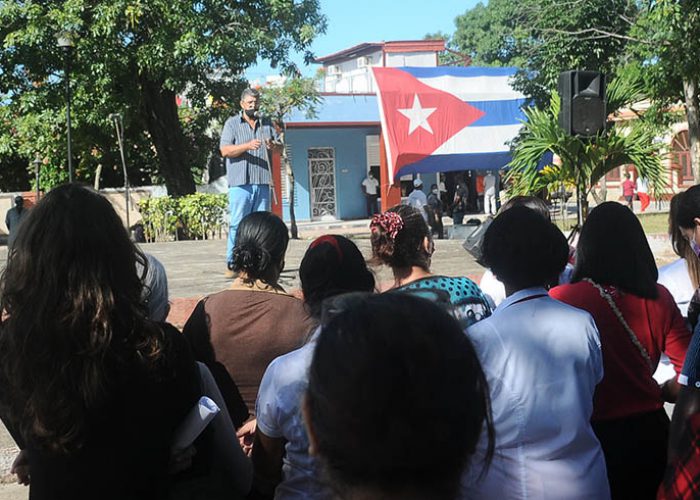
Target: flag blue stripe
x=499, y=112
x=470, y=71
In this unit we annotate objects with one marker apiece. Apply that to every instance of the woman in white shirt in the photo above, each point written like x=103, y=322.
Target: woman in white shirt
x=542, y=361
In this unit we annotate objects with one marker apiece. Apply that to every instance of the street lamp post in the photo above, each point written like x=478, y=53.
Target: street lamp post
x=37, y=169
x=65, y=42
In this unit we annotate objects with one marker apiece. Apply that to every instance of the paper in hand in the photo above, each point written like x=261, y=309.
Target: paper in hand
x=194, y=423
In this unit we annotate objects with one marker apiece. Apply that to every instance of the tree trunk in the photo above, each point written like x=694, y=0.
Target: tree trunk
x=692, y=110
x=289, y=172
x=160, y=112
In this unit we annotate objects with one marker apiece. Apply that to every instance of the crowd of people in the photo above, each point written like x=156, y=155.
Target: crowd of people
x=427, y=390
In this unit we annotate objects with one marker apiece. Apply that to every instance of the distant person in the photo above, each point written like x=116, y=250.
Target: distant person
x=370, y=186
x=460, y=203
x=14, y=217
x=396, y=399
x=532, y=345
x=490, y=193
x=643, y=193
x=237, y=332
x=245, y=140
x=628, y=191
x=435, y=209
x=401, y=239
x=332, y=265
x=638, y=320
x=417, y=199
x=92, y=389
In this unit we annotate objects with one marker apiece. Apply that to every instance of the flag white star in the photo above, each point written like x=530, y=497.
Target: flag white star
x=417, y=115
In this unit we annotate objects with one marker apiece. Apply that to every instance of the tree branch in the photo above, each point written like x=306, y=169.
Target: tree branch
x=601, y=33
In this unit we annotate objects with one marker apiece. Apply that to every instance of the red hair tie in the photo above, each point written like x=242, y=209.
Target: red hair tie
x=390, y=222
x=331, y=240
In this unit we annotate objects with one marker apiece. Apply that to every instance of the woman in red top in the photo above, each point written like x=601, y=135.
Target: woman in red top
x=615, y=281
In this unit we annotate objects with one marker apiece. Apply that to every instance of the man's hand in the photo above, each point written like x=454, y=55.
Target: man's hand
x=245, y=436
x=254, y=144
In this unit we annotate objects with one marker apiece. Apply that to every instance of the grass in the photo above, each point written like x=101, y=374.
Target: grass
x=656, y=223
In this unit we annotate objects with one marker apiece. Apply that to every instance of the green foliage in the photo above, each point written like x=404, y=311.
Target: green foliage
x=278, y=101
x=195, y=216
x=135, y=56
x=544, y=38
x=583, y=162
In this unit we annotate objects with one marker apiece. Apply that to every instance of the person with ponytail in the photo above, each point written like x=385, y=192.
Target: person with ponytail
x=401, y=240
x=237, y=332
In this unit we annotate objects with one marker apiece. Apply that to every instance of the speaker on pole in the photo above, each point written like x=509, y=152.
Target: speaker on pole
x=583, y=106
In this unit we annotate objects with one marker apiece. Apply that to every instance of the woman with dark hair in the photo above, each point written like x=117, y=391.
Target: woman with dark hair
x=92, y=390
x=542, y=361
x=401, y=240
x=615, y=281
x=396, y=399
x=237, y=332
x=332, y=265
x=493, y=288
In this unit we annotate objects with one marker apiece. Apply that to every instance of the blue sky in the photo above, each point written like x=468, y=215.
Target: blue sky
x=355, y=21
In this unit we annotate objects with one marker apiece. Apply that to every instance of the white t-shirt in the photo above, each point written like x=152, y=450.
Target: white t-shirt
x=278, y=411
x=371, y=185
x=642, y=185
x=542, y=360
x=490, y=184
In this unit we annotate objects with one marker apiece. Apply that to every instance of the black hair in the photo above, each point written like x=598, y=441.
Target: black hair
x=385, y=369
x=531, y=202
x=613, y=250
x=523, y=249
x=261, y=242
x=689, y=208
x=332, y=265
x=680, y=244
x=405, y=248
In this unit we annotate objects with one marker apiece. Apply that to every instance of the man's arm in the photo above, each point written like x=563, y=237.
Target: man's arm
x=236, y=150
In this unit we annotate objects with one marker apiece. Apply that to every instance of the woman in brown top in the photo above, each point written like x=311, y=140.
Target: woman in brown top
x=238, y=332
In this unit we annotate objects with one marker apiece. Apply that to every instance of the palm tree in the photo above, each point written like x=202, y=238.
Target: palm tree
x=584, y=162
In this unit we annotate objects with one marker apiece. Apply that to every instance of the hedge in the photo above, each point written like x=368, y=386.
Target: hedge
x=198, y=216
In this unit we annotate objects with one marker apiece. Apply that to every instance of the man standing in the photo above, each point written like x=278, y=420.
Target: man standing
x=490, y=193
x=371, y=188
x=13, y=218
x=643, y=193
x=417, y=198
x=245, y=141
x=628, y=191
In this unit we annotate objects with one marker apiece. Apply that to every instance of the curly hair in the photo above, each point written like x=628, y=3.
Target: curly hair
x=74, y=319
x=400, y=247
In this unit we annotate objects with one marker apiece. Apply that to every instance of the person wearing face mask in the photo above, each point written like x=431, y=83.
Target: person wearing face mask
x=244, y=144
x=371, y=188
x=435, y=212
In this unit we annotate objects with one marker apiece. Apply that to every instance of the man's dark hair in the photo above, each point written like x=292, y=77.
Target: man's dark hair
x=613, y=250
x=523, y=249
x=689, y=208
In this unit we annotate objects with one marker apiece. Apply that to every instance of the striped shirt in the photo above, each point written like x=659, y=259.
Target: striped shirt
x=252, y=167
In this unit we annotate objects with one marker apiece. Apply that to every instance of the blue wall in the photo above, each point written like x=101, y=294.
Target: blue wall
x=350, y=145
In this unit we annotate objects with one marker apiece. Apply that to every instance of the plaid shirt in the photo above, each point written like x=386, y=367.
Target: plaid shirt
x=682, y=479
x=252, y=167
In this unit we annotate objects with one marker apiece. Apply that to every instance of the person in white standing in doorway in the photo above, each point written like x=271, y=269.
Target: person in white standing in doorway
x=417, y=199
x=490, y=193
x=370, y=185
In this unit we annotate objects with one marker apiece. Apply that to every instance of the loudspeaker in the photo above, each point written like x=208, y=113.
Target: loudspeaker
x=583, y=105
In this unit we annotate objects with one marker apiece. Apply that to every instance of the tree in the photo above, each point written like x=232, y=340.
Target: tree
x=137, y=57
x=538, y=36
x=584, y=162
x=278, y=102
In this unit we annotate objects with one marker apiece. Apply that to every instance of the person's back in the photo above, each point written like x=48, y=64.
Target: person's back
x=418, y=200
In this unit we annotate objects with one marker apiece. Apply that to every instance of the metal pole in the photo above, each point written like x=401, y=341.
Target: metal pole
x=37, y=167
x=119, y=125
x=68, y=128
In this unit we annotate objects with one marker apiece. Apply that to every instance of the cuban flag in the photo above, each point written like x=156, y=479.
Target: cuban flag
x=443, y=118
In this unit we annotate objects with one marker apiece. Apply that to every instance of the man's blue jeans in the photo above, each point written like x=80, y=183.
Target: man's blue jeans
x=243, y=200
